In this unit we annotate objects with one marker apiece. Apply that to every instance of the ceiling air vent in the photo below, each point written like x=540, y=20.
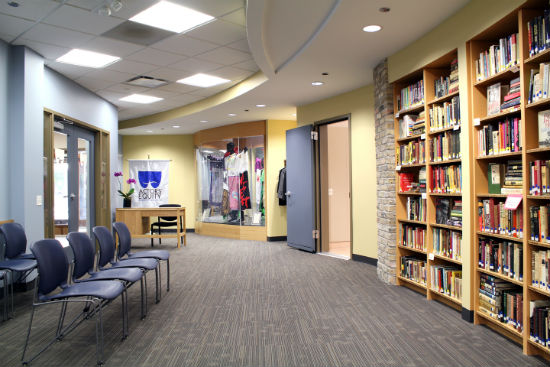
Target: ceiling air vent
x=146, y=81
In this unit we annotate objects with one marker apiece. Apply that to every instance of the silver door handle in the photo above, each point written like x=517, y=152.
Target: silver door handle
x=287, y=193
x=72, y=196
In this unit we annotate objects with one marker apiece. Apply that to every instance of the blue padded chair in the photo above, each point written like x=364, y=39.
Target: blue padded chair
x=125, y=244
x=53, y=269
x=107, y=257
x=84, y=256
x=15, y=259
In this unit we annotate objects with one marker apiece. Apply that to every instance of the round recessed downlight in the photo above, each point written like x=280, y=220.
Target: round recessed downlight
x=231, y=114
x=315, y=84
x=260, y=105
x=372, y=28
x=203, y=120
x=176, y=126
x=148, y=131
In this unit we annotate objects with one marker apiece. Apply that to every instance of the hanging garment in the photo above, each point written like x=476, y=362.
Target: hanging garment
x=216, y=181
x=281, y=187
x=258, y=186
x=233, y=183
x=244, y=191
x=225, y=202
x=262, y=180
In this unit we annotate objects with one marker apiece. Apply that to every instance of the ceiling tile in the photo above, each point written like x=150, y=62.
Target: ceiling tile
x=13, y=26
x=183, y=45
x=86, y=4
x=70, y=71
x=155, y=57
x=168, y=74
x=177, y=88
x=219, y=32
x=160, y=93
x=247, y=65
x=81, y=20
x=215, y=8
x=93, y=84
x=32, y=10
x=111, y=76
x=185, y=99
x=126, y=89
x=227, y=56
x=112, y=47
x=207, y=92
x=49, y=52
x=134, y=7
x=6, y=37
x=57, y=36
x=195, y=65
x=133, y=67
x=231, y=73
x=237, y=17
x=241, y=45
x=111, y=96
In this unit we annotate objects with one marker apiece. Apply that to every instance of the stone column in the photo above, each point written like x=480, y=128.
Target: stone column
x=385, y=173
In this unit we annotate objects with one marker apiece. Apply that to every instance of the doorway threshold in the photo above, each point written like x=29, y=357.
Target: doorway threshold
x=343, y=257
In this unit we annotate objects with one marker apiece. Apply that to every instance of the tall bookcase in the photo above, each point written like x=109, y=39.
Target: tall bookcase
x=428, y=248
x=505, y=144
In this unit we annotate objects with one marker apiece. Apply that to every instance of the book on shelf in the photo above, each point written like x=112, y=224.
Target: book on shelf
x=456, y=213
x=413, y=152
x=405, y=181
x=500, y=256
x=444, y=115
x=539, y=177
x=539, y=83
x=495, y=96
x=411, y=96
x=540, y=276
x=498, y=58
x=538, y=33
x=539, y=321
x=409, y=125
x=501, y=300
x=538, y=221
x=495, y=177
x=513, y=96
x=544, y=128
x=413, y=236
x=447, y=243
x=453, y=82
x=494, y=218
x=447, y=280
x=447, y=85
x=414, y=269
x=445, y=146
x=416, y=209
x=514, y=173
x=448, y=211
x=446, y=179
x=422, y=179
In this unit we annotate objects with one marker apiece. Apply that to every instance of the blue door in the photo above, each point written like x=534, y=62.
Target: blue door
x=300, y=193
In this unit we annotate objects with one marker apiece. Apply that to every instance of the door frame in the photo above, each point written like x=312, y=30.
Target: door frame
x=318, y=194
x=102, y=187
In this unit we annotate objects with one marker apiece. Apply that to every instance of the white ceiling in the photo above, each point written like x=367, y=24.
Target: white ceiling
x=291, y=42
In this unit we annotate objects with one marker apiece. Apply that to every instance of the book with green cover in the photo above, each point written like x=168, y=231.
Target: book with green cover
x=495, y=177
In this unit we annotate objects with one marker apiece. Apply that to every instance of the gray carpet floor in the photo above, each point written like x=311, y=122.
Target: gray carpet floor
x=246, y=303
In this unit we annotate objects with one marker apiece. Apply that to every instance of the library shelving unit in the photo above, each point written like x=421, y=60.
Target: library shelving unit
x=505, y=146
x=428, y=177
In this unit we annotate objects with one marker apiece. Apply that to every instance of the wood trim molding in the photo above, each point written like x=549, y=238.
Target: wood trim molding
x=241, y=129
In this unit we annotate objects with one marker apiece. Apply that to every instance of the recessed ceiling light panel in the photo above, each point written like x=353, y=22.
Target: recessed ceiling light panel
x=316, y=84
x=203, y=80
x=372, y=28
x=231, y=114
x=87, y=58
x=141, y=98
x=260, y=105
x=176, y=126
x=171, y=17
x=203, y=120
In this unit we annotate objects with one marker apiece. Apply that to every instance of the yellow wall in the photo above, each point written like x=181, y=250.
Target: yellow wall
x=360, y=104
x=275, y=155
x=178, y=148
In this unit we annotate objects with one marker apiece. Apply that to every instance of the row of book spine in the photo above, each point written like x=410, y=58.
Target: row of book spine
x=447, y=280
x=446, y=179
x=447, y=243
x=499, y=138
x=498, y=57
x=413, y=237
x=448, y=211
x=445, y=146
x=500, y=256
x=414, y=152
x=538, y=218
x=414, y=269
x=539, y=322
x=416, y=209
x=539, y=83
x=501, y=300
x=412, y=95
x=445, y=115
x=540, y=274
x=539, y=177
x=494, y=218
x=538, y=33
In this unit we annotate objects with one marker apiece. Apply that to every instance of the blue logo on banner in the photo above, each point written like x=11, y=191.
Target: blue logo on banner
x=149, y=177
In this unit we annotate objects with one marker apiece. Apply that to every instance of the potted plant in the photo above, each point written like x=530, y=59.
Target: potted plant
x=127, y=201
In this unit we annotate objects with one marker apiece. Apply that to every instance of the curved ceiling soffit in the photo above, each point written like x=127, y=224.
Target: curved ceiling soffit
x=229, y=94
x=280, y=30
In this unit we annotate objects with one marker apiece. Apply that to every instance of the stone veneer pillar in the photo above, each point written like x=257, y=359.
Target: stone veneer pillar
x=385, y=173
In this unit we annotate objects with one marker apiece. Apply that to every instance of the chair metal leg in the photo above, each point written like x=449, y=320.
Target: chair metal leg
x=160, y=239
x=28, y=337
x=157, y=288
x=168, y=275
x=152, y=229
x=99, y=334
x=124, y=303
x=61, y=320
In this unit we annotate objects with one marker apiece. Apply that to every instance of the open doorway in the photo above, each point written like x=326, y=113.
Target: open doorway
x=335, y=188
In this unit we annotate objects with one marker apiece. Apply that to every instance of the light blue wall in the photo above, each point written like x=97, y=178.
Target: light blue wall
x=26, y=88
x=4, y=196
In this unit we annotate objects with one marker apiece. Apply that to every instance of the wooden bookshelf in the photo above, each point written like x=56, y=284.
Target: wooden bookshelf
x=441, y=128
x=516, y=23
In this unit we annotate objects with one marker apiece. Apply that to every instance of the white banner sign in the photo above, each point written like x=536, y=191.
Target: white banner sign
x=151, y=182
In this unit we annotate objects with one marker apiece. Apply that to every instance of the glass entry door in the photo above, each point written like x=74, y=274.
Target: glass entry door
x=73, y=179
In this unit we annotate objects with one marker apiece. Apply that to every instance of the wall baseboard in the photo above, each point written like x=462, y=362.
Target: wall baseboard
x=467, y=315
x=276, y=238
x=364, y=259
